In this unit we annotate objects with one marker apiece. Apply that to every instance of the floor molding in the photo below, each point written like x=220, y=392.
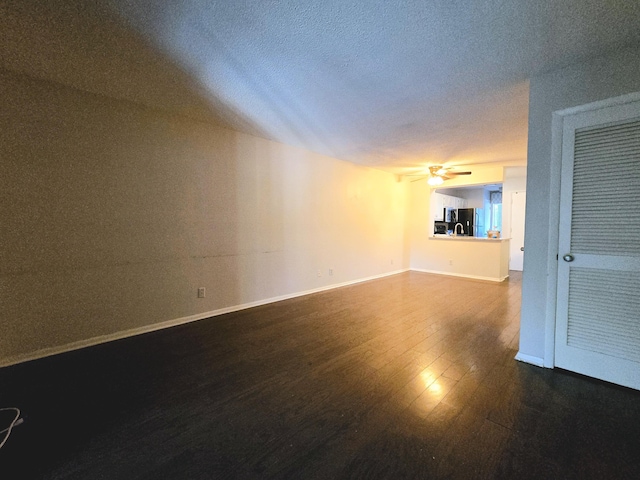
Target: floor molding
x=462, y=275
x=47, y=352
x=523, y=357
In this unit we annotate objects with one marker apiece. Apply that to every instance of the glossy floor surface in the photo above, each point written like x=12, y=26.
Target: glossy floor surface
x=410, y=376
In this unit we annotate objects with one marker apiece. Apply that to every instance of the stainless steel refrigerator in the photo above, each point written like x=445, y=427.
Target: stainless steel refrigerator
x=472, y=220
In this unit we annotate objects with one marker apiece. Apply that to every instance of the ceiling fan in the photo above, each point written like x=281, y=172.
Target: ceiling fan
x=438, y=174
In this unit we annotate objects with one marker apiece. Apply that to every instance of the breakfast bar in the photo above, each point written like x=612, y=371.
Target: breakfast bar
x=471, y=257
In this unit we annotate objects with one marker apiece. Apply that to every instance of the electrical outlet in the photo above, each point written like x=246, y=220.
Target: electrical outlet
x=330, y=271
x=392, y=261
x=201, y=292
x=450, y=262
x=319, y=273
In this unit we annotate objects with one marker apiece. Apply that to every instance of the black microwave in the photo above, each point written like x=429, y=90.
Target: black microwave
x=440, y=228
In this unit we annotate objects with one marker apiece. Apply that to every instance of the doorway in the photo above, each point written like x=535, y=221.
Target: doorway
x=516, y=245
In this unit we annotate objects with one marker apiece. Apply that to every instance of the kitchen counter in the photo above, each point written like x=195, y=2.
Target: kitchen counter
x=461, y=256
x=467, y=239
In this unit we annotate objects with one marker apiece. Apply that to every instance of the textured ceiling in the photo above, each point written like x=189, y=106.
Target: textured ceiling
x=389, y=84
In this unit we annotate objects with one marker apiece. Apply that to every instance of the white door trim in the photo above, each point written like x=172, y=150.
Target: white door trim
x=557, y=126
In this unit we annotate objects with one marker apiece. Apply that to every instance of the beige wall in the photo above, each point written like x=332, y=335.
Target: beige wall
x=114, y=213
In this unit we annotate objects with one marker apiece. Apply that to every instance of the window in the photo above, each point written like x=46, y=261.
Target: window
x=495, y=199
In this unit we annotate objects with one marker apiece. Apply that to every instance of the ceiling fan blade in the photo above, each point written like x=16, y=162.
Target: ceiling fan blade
x=437, y=171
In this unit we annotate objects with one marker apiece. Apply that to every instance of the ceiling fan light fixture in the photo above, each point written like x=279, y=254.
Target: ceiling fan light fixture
x=435, y=180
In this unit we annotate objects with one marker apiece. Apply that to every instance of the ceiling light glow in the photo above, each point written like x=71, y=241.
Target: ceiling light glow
x=435, y=180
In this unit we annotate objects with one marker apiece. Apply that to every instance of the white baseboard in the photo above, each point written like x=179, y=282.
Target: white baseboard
x=47, y=352
x=473, y=277
x=523, y=357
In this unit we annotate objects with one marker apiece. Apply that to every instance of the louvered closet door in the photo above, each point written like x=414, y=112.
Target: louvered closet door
x=598, y=304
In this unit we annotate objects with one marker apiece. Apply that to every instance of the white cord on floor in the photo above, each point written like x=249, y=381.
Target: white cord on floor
x=11, y=425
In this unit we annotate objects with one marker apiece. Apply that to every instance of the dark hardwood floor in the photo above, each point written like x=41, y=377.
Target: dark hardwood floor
x=410, y=376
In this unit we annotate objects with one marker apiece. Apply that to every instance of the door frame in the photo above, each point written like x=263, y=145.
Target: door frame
x=557, y=125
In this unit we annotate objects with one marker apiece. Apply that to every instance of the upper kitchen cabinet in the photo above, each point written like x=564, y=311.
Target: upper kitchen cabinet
x=437, y=206
x=440, y=201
